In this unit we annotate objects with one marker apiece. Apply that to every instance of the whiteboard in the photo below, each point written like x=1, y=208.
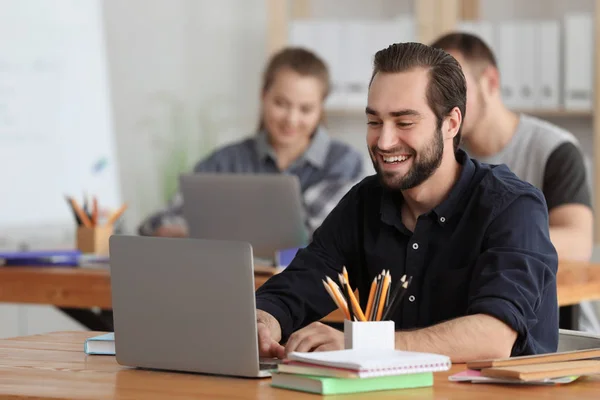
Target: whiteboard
x=56, y=131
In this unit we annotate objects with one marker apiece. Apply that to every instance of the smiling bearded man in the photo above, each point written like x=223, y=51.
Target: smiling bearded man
x=473, y=237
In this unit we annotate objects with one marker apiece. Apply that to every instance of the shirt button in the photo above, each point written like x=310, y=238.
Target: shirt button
x=415, y=246
x=442, y=219
x=411, y=298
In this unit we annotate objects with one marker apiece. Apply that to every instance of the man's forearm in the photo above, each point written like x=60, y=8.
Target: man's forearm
x=571, y=243
x=473, y=337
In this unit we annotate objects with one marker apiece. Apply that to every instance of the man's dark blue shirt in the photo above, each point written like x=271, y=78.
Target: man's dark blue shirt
x=484, y=250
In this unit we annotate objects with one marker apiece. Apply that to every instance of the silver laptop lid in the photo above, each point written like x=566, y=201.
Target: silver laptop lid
x=184, y=304
x=263, y=209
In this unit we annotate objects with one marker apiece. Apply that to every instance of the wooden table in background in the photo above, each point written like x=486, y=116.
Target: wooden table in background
x=55, y=366
x=86, y=288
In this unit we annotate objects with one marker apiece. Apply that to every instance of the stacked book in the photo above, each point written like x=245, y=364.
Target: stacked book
x=542, y=369
x=355, y=371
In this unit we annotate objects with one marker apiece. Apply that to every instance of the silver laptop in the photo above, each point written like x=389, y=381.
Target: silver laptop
x=185, y=305
x=263, y=209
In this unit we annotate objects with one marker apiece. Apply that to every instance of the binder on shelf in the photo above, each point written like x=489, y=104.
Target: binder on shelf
x=508, y=61
x=547, y=52
x=578, y=59
x=526, y=65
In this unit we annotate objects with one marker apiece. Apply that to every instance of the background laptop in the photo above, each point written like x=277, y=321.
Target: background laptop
x=184, y=305
x=263, y=209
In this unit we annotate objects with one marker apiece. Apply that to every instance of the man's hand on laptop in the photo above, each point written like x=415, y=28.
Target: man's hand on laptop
x=315, y=337
x=171, y=231
x=269, y=335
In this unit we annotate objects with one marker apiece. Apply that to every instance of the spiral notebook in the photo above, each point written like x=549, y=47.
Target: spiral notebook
x=371, y=362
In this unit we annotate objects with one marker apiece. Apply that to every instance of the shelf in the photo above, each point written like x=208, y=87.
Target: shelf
x=558, y=113
x=335, y=112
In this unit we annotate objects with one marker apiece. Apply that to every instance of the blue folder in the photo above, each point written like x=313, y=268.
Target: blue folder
x=40, y=258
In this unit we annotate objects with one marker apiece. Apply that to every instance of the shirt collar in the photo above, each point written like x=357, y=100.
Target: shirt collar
x=391, y=202
x=449, y=207
x=316, y=153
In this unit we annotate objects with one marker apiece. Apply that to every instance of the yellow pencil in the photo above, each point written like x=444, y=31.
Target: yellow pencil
x=345, y=273
x=95, y=211
x=355, y=306
x=328, y=289
x=371, y=297
x=338, y=295
x=384, y=290
x=115, y=216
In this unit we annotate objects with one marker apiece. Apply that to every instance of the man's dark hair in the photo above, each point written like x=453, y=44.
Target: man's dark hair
x=447, y=86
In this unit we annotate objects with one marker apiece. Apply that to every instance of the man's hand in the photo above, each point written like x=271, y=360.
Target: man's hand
x=315, y=337
x=269, y=335
x=175, y=231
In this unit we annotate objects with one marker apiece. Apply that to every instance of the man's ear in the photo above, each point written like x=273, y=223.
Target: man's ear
x=452, y=124
x=489, y=81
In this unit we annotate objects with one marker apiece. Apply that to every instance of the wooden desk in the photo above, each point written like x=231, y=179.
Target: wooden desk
x=85, y=288
x=55, y=366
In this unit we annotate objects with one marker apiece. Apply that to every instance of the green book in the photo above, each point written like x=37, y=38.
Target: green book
x=327, y=385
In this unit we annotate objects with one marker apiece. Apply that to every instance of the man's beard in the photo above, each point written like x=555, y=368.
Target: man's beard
x=423, y=167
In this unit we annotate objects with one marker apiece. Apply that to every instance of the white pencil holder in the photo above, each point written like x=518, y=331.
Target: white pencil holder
x=369, y=335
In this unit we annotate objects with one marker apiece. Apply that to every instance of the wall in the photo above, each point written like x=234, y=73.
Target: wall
x=184, y=79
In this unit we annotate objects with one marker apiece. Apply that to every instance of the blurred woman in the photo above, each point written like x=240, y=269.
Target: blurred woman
x=291, y=139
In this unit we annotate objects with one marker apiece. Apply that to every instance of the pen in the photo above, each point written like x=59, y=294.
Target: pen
x=70, y=203
x=397, y=296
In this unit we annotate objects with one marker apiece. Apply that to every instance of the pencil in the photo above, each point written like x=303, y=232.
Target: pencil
x=389, y=289
x=345, y=274
x=336, y=291
x=328, y=289
x=344, y=295
x=115, y=216
x=355, y=305
x=351, y=308
x=95, y=211
x=82, y=215
x=384, y=290
x=70, y=203
x=376, y=299
x=371, y=297
x=396, y=297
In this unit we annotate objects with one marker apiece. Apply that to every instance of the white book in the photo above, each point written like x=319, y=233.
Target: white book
x=376, y=362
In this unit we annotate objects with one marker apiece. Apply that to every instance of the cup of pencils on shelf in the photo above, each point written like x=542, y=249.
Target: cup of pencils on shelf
x=371, y=328
x=94, y=227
